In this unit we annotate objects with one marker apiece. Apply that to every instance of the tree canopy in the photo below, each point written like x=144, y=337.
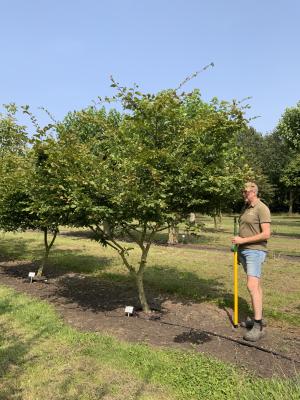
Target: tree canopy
x=131, y=173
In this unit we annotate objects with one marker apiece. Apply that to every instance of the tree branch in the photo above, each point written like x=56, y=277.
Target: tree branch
x=192, y=76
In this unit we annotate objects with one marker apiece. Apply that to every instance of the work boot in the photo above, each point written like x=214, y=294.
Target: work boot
x=256, y=333
x=250, y=322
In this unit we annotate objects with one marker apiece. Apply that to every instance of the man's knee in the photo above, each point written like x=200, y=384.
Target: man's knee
x=253, y=284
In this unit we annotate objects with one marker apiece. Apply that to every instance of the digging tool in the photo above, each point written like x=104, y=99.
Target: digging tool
x=235, y=278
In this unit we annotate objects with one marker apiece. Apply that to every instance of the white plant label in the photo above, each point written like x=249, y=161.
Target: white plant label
x=31, y=275
x=128, y=310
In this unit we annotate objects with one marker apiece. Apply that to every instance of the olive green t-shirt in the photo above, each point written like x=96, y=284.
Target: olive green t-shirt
x=250, y=224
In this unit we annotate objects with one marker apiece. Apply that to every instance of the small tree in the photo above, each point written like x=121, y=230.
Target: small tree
x=291, y=180
x=257, y=151
x=25, y=202
x=162, y=161
x=29, y=196
x=289, y=126
x=288, y=129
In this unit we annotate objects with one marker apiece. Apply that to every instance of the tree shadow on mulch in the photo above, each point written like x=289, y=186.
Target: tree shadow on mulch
x=114, y=291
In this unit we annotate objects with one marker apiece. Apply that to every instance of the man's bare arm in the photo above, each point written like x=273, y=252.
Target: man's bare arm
x=264, y=235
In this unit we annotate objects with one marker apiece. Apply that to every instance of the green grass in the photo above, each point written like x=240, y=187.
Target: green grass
x=284, y=240
x=43, y=358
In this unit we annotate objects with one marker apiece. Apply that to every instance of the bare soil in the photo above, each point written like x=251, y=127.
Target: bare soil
x=97, y=305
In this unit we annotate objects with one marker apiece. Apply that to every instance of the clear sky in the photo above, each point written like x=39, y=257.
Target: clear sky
x=59, y=54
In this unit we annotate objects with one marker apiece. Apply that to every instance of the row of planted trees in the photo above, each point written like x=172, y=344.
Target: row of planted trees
x=133, y=172
x=275, y=159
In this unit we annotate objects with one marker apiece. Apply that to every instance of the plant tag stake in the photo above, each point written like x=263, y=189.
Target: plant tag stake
x=31, y=275
x=128, y=310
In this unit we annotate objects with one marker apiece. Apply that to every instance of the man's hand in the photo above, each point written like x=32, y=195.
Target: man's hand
x=238, y=240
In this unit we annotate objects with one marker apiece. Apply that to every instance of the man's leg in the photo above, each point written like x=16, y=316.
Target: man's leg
x=255, y=290
x=254, y=260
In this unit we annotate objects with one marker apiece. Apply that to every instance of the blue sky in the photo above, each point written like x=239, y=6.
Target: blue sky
x=59, y=54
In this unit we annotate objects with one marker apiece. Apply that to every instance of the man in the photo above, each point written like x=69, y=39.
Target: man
x=254, y=232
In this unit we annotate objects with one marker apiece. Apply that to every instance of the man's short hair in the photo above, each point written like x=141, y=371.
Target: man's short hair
x=251, y=186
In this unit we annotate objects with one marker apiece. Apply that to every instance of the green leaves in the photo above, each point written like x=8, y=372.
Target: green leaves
x=289, y=126
x=133, y=172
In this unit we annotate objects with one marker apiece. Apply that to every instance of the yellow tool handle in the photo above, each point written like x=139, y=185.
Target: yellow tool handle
x=235, y=285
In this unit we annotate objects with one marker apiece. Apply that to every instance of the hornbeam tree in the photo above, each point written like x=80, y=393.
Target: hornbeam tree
x=169, y=154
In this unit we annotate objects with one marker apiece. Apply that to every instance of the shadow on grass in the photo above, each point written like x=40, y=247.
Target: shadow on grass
x=57, y=266
x=226, y=303
x=13, y=354
x=14, y=248
x=59, y=263
x=139, y=393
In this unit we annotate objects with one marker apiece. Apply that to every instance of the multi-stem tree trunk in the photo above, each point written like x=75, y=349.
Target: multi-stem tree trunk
x=140, y=279
x=143, y=239
x=138, y=274
x=47, y=250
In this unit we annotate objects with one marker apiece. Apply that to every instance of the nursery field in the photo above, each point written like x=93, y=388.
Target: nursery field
x=68, y=338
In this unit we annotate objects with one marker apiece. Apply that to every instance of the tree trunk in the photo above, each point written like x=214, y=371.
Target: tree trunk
x=47, y=250
x=141, y=291
x=138, y=275
x=173, y=235
x=215, y=222
x=44, y=263
x=291, y=202
x=217, y=218
x=192, y=219
x=220, y=218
